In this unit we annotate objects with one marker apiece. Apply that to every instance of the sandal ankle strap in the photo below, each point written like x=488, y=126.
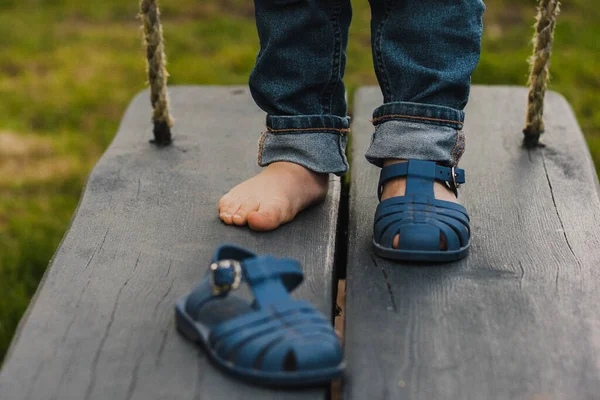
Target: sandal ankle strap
x=452, y=176
x=232, y=265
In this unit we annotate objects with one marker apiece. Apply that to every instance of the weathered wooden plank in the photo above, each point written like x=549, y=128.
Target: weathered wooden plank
x=101, y=325
x=519, y=318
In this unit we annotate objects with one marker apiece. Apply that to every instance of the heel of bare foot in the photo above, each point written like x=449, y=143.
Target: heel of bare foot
x=397, y=187
x=273, y=197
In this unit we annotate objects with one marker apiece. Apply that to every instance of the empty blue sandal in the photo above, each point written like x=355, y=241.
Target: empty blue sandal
x=419, y=218
x=275, y=340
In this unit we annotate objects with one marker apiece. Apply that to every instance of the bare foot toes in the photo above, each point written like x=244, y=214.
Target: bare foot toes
x=267, y=218
x=249, y=206
x=228, y=206
x=273, y=197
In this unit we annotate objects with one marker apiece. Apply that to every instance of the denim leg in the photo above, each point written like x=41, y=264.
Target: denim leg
x=297, y=80
x=424, y=52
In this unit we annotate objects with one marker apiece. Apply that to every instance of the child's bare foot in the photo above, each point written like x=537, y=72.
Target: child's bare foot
x=273, y=197
x=397, y=187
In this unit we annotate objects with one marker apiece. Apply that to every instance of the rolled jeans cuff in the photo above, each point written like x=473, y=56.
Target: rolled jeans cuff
x=317, y=142
x=417, y=131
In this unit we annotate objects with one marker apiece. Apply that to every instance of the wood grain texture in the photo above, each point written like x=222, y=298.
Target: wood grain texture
x=101, y=325
x=519, y=318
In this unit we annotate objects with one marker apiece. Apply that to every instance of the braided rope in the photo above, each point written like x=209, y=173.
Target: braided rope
x=540, y=63
x=157, y=72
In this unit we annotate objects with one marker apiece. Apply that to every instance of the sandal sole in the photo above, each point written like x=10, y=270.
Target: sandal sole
x=423, y=256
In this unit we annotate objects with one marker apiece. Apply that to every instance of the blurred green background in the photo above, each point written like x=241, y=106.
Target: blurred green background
x=68, y=68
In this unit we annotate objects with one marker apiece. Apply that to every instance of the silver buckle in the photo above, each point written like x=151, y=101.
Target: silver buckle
x=237, y=276
x=454, y=175
x=455, y=185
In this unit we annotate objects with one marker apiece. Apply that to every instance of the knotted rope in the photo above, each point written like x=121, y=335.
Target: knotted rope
x=157, y=72
x=540, y=63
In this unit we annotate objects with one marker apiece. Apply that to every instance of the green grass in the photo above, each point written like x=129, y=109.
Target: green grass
x=68, y=68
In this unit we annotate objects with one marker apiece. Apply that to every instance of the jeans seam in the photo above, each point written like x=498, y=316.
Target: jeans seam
x=375, y=120
x=261, y=146
x=462, y=146
x=340, y=152
x=385, y=80
x=327, y=95
x=458, y=149
x=291, y=130
x=454, y=148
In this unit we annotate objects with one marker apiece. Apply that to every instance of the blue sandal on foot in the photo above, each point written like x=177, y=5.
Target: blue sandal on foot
x=275, y=340
x=419, y=218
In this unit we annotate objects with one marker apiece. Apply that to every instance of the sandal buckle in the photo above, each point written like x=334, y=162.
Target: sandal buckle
x=455, y=185
x=454, y=175
x=227, y=266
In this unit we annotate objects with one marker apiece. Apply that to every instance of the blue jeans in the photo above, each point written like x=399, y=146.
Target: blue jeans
x=424, y=52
